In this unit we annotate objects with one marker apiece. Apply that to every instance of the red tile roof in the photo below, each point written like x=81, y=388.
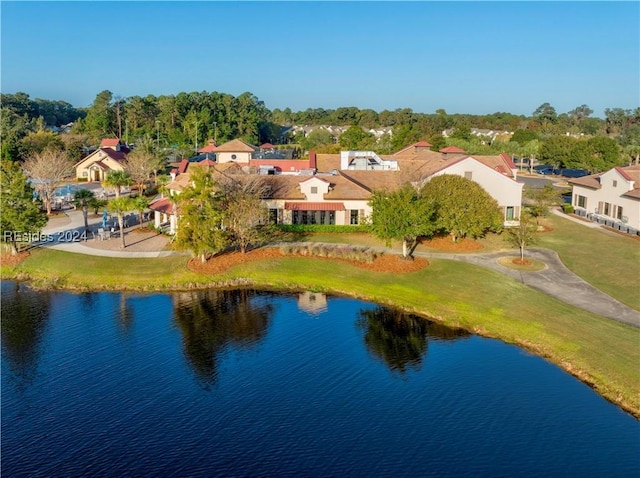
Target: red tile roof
x=210, y=148
x=267, y=146
x=109, y=142
x=183, y=166
x=314, y=206
x=164, y=205
x=508, y=161
x=452, y=149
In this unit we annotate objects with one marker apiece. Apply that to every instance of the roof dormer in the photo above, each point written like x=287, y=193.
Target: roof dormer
x=314, y=188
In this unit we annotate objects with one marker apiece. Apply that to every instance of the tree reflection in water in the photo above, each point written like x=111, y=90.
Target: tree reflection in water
x=23, y=322
x=212, y=321
x=400, y=340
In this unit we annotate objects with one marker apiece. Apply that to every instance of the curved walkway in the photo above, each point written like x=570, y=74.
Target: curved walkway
x=555, y=280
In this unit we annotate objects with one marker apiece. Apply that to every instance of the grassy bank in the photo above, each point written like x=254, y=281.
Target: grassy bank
x=599, y=351
x=609, y=262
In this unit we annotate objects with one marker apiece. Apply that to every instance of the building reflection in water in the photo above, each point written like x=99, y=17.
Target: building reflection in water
x=314, y=303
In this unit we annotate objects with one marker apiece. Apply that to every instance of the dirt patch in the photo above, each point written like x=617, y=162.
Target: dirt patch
x=445, y=244
x=9, y=260
x=389, y=263
x=521, y=262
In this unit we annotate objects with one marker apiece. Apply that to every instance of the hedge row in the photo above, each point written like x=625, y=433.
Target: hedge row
x=353, y=253
x=326, y=228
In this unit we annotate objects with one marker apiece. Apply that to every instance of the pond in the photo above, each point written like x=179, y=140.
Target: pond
x=250, y=383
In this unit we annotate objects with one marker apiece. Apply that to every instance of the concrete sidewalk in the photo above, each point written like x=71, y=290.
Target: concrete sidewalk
x=556, y=280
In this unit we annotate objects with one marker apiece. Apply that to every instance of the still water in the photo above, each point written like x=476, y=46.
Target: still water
x=248, y=383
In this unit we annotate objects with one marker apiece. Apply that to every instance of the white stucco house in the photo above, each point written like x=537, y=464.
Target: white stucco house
x=336, y=188
x=235, y=150
x=611, y=198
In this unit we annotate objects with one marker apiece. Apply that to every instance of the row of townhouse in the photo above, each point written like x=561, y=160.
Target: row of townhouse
x=336, y=188
x=611, y=198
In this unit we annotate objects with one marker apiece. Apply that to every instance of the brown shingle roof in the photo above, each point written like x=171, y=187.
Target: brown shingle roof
x=235, y=146
x=113, y=154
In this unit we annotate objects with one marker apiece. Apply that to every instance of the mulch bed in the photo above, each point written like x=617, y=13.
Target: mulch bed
x=9, y=260
x=384, y=263
x=445, y=244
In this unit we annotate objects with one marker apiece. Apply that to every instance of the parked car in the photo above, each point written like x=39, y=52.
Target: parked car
x=547, y=171
x=574, y=173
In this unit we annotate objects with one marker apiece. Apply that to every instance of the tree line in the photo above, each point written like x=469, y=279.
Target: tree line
x=186, y=121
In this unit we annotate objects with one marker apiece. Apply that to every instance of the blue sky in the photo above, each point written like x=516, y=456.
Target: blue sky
x=464, y=57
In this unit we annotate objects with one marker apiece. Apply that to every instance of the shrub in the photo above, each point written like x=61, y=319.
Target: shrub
x=360, y=254
x=325, y=228
x=567, y=208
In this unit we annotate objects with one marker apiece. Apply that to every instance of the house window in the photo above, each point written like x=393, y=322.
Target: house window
x=314, y=190
x=85, y=174
x=607, y=208
x=615, y=183
x=314, y=217
x=273, y=216
x=468, y=175
x=510, y=213
x=354, y=217
x=581, y=201
x=619, y=213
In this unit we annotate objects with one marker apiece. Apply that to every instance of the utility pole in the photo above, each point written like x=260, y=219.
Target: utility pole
x=196, y=136
x=215, y=132
x=158, y=134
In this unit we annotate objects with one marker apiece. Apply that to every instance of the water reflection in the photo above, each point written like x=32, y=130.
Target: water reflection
x=314, y=303
x=125, y=315
x=23, y=323
x=211, y=321
x=400, y=340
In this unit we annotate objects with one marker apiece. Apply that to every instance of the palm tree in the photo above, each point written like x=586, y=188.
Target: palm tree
x=117, y=179
x=82, y=198
x=119, y=206
x=140, y=203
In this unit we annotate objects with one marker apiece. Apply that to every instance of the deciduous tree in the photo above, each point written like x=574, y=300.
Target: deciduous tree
x=402, y=215
x=462, y=207
x=46, y=170
x=245, y=215
x=523, y=235
x=539, y=200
